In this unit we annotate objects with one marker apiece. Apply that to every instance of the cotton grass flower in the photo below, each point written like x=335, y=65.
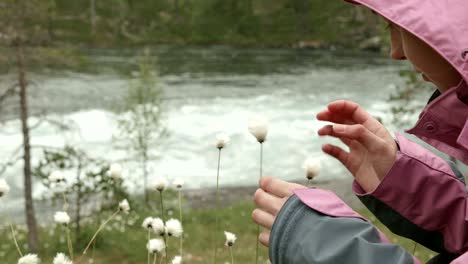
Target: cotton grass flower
x=311, y=167
x=61, y=259
x=174, y=228
x=148, y=223
x=4, y=188
x=56, y=177
x=230, y=238
x=62, y=218
x=178, y=183
x=258, y=127
x=155, y=246
x=29, y=259
x=158, y=226
x=221, y=140
x=124, y=206
x=177, y=260
x=115, y=171
x=159, y=184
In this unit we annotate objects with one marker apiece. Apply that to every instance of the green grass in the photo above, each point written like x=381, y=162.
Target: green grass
x=126, y=239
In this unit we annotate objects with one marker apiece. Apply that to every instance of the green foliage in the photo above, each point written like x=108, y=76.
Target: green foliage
x=233, y=22
x=92, y=179
x=124, y=241
x=91, y=183
x=139, y=127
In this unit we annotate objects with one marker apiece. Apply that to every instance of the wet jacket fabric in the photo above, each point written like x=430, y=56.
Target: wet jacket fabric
x=423, y=197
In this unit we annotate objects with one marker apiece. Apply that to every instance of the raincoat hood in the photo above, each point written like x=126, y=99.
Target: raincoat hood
x=443, y=25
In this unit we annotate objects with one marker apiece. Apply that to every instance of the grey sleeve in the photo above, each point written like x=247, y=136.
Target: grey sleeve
x=302, y=235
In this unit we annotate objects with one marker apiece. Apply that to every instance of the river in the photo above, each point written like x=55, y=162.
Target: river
x=207, y=91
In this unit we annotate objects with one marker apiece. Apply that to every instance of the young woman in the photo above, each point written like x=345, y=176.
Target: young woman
x=412, y=191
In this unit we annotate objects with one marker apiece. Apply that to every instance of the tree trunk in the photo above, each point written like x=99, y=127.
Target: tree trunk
x=33, y=241
x=50, y=20
x=92, y=17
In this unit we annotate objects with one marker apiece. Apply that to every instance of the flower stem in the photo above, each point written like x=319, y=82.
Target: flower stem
x=161, y=260
x=16, y=241
x=69, y=243
x=258, y=226
x=164, y=220
x=232, y=255
x=180, y=217
x=217, y=209
x=149, y=237
x=99, y=230
x=65, y=203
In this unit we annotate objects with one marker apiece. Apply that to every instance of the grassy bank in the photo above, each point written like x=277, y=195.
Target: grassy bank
x=124, y=241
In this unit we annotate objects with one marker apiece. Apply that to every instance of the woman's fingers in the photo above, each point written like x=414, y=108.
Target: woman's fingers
x=268, y=202
x=326, y=115
x=339, y=154
x=263, y=218
x=348, y=113
x=264, y=238
x=278, y=187
x=354, y=132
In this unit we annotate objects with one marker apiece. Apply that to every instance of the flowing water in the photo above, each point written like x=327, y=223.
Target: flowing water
x=207, y=91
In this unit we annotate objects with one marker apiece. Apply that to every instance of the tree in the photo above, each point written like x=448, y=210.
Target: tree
x=92, y=180
x=140, y=124
x=92, y=16
x=15, y=15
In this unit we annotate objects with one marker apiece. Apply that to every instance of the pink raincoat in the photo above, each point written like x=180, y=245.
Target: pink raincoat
x=422, y=197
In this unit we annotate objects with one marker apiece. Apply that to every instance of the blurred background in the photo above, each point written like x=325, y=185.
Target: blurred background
x=148, y=85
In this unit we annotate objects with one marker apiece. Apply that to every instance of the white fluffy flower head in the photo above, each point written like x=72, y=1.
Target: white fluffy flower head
x=56, y=177
x=160, y=184
x=230, y=238
x=124, y=206
x=115, y=171
x=62, y=218
x=61, y=259
x=221, y=140
x=312, y=168
x=158, y=226
x=177, y=260
x=148, y=223
x=155, y=245
x=258, y=127
x=178, y=183
x=29, y=259
x=174, y=228
x=4, y=188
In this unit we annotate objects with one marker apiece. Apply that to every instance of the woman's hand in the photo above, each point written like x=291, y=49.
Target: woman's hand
x=270, y=197
x=372, y=150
